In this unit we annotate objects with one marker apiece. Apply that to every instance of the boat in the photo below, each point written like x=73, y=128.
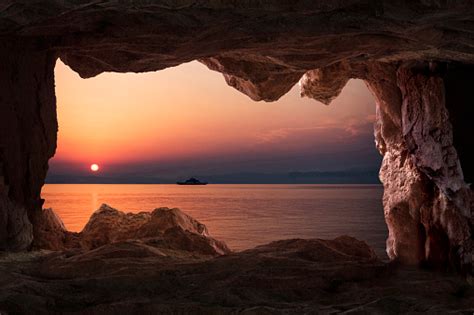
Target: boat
x=192, y=181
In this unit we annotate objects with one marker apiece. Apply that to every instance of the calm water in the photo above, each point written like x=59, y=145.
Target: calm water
x=241, y=215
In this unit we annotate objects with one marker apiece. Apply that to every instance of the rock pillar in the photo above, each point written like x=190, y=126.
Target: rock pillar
x=28, y=128
x=427, y=202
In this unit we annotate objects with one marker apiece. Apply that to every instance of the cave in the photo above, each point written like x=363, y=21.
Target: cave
x=416, y=58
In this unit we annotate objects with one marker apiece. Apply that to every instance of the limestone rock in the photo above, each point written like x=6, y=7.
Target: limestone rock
x=164, y=228
x=325, y=84
x=163, y=219
x=108, y=225
x=255, y=76
x=50, y=232
x=428, y=204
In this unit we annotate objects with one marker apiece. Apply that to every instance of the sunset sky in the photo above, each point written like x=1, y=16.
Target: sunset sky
x=185, y=121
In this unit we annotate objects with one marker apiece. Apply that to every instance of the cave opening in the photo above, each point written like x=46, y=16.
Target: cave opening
x=158, y=127
x=416, y=58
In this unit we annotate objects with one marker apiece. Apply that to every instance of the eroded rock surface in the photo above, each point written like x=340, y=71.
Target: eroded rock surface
x=50, y=232
x=428, y=204
x=28, y=129
x=169, y=229
x=288, y=276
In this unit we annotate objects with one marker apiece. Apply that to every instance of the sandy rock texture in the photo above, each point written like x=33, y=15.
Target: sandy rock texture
x=169, y=226
x=283, y=277
x=164, y=227
x=50, y=232
x=415, y=56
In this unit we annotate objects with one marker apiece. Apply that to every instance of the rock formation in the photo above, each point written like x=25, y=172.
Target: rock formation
x=50, y=232
x=428, y=205
x=284, y=277
x=414, y=55
x=163, y=227
x=28, y=128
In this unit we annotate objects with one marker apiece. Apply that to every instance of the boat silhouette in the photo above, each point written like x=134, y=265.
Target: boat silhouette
x=192, y=181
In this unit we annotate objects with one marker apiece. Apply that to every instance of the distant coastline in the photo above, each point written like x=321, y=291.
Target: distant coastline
x=311, y=177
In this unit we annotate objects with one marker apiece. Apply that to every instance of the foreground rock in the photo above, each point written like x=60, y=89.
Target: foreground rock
x=288, y=276
x=166, y=228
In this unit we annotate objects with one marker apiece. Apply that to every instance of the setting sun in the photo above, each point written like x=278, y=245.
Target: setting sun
x=94, y=167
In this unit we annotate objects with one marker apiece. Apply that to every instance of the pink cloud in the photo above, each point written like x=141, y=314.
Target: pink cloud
x=328, y=132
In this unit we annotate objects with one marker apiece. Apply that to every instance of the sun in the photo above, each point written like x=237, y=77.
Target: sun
x=94, y=167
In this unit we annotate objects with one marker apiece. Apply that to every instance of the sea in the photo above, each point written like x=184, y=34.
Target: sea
x=243, y=216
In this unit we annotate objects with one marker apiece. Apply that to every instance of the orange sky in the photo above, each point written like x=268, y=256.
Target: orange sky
x=175, y=114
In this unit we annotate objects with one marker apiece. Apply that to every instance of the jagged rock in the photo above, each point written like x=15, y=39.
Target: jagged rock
x=325, y=84
x=426, y=200
x=108, y=225
x=163, y=219
x=428, y=204
x=50, y=232
x=164, y=228
x=445, y=214
x=258, y=78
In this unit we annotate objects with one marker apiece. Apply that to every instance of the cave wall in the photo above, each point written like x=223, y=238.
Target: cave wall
x=427, y=201
x=428, y=194
x=28, y=128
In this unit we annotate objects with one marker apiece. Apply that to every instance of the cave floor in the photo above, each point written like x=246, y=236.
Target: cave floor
x=291, y=276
